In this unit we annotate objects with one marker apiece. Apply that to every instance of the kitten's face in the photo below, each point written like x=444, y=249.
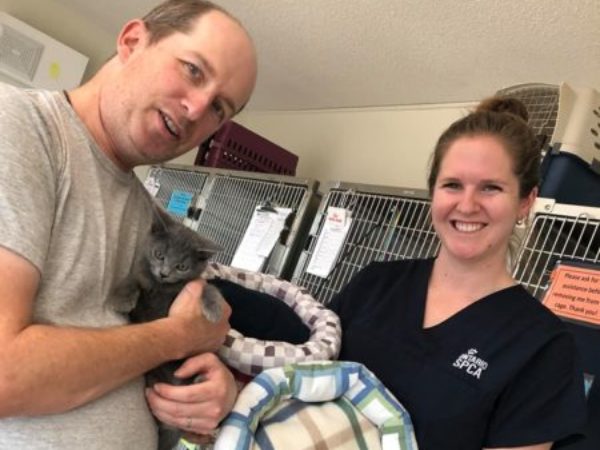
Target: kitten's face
x=170, y=263
x=175, y=253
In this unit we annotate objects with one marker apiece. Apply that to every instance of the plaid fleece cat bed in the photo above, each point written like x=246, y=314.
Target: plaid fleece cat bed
x=325, y=405
x=251, y=356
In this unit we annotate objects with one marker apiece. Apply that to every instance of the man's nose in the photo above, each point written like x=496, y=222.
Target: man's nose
x=197, y=102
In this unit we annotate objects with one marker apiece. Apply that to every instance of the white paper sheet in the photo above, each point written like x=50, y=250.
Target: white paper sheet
x=260, y=238
x=330, y=242
x=152, y=185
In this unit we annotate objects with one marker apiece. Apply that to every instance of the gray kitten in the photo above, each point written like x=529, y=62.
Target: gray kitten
x=172, y=256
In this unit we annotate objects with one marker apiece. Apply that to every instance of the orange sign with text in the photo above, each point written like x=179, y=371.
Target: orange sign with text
x=574, y=293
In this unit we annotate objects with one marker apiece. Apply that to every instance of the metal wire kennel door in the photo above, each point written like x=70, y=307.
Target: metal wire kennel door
x=175, y=188
x=229, y=199
x=558, y=232
x=387, y=223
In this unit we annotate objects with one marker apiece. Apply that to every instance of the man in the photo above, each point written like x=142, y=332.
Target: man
x=72, y=215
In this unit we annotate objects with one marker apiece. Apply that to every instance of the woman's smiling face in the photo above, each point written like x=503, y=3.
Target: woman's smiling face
x=475, y=201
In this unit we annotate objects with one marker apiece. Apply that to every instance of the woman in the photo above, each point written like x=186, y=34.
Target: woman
x=476, y=360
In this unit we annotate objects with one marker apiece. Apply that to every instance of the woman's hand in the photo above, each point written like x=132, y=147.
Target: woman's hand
x=197, y=408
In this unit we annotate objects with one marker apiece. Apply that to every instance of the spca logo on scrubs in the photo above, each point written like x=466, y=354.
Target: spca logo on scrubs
x=470, y=363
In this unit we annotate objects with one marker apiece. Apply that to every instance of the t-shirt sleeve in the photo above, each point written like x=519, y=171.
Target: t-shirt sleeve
x=545, y=401
x=27, y=184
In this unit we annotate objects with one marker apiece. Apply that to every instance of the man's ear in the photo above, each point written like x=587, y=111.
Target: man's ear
x=133, y=36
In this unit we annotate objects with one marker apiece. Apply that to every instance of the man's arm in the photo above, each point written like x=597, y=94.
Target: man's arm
x=47, y=369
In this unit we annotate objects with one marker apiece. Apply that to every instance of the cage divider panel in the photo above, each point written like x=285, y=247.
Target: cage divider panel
x=226, y=200
x=387, y=223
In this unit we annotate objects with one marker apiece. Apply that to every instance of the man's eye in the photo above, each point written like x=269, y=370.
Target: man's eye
x=218, y=109
x=193, y=70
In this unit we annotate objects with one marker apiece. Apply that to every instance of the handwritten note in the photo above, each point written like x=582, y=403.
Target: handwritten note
x=574, y=293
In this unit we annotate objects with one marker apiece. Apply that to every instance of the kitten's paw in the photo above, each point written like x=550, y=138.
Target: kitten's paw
x=212, y=303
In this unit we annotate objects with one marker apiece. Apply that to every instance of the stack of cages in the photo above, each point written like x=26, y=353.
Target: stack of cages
x=386, y=223
x=235, y=147
x=571, y=167
x=564, y=237
x=220, y=204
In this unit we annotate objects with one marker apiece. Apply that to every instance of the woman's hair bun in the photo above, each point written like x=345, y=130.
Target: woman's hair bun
x=504, y=105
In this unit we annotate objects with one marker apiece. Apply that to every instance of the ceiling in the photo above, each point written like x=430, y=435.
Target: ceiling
x=316, y=54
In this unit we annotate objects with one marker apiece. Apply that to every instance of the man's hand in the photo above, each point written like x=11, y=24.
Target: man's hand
x=201, y=335
x=197, y=408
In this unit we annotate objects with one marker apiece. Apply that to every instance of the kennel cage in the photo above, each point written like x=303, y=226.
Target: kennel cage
x=386, y=223
x=220, y=204
x=558, y=232
x=236, y=147
x=566, y=119
x=541, y=101
x=568, y=235
x=571, y=167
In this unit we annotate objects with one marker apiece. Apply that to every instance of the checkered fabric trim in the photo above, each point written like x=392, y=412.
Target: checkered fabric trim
x=317, y=382
x=249, y=355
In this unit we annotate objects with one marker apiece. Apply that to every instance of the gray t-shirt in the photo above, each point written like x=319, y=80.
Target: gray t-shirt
x=65, y=207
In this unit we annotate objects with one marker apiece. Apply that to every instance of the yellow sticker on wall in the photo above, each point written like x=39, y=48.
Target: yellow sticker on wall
x=54, y=70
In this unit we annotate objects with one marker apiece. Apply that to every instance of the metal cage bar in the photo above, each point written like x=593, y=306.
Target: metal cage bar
x=387, y=223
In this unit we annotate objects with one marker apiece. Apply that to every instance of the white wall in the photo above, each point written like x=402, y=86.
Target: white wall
x=384, y=146
x=67, y=26
x=389, y=146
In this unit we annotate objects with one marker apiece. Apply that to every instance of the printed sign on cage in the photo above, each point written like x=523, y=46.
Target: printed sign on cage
x=330, y=241
x=260, y=237
x=574, y=292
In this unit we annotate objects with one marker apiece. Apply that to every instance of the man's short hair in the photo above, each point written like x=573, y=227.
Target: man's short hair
x=177, y=16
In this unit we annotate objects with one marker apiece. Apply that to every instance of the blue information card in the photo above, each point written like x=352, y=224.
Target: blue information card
x=179, y=203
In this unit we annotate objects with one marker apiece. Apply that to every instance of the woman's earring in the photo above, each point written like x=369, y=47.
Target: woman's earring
x=520, y=221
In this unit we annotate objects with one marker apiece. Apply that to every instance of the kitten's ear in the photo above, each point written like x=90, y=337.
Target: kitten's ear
x=160, y=221
x=208, y=247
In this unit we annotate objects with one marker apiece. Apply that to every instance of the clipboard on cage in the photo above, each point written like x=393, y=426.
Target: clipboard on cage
x=357, y=224
x=176, y=188
x=558, y=262
x=260, y=220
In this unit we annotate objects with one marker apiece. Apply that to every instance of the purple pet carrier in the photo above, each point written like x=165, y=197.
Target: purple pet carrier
x=238, y=148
